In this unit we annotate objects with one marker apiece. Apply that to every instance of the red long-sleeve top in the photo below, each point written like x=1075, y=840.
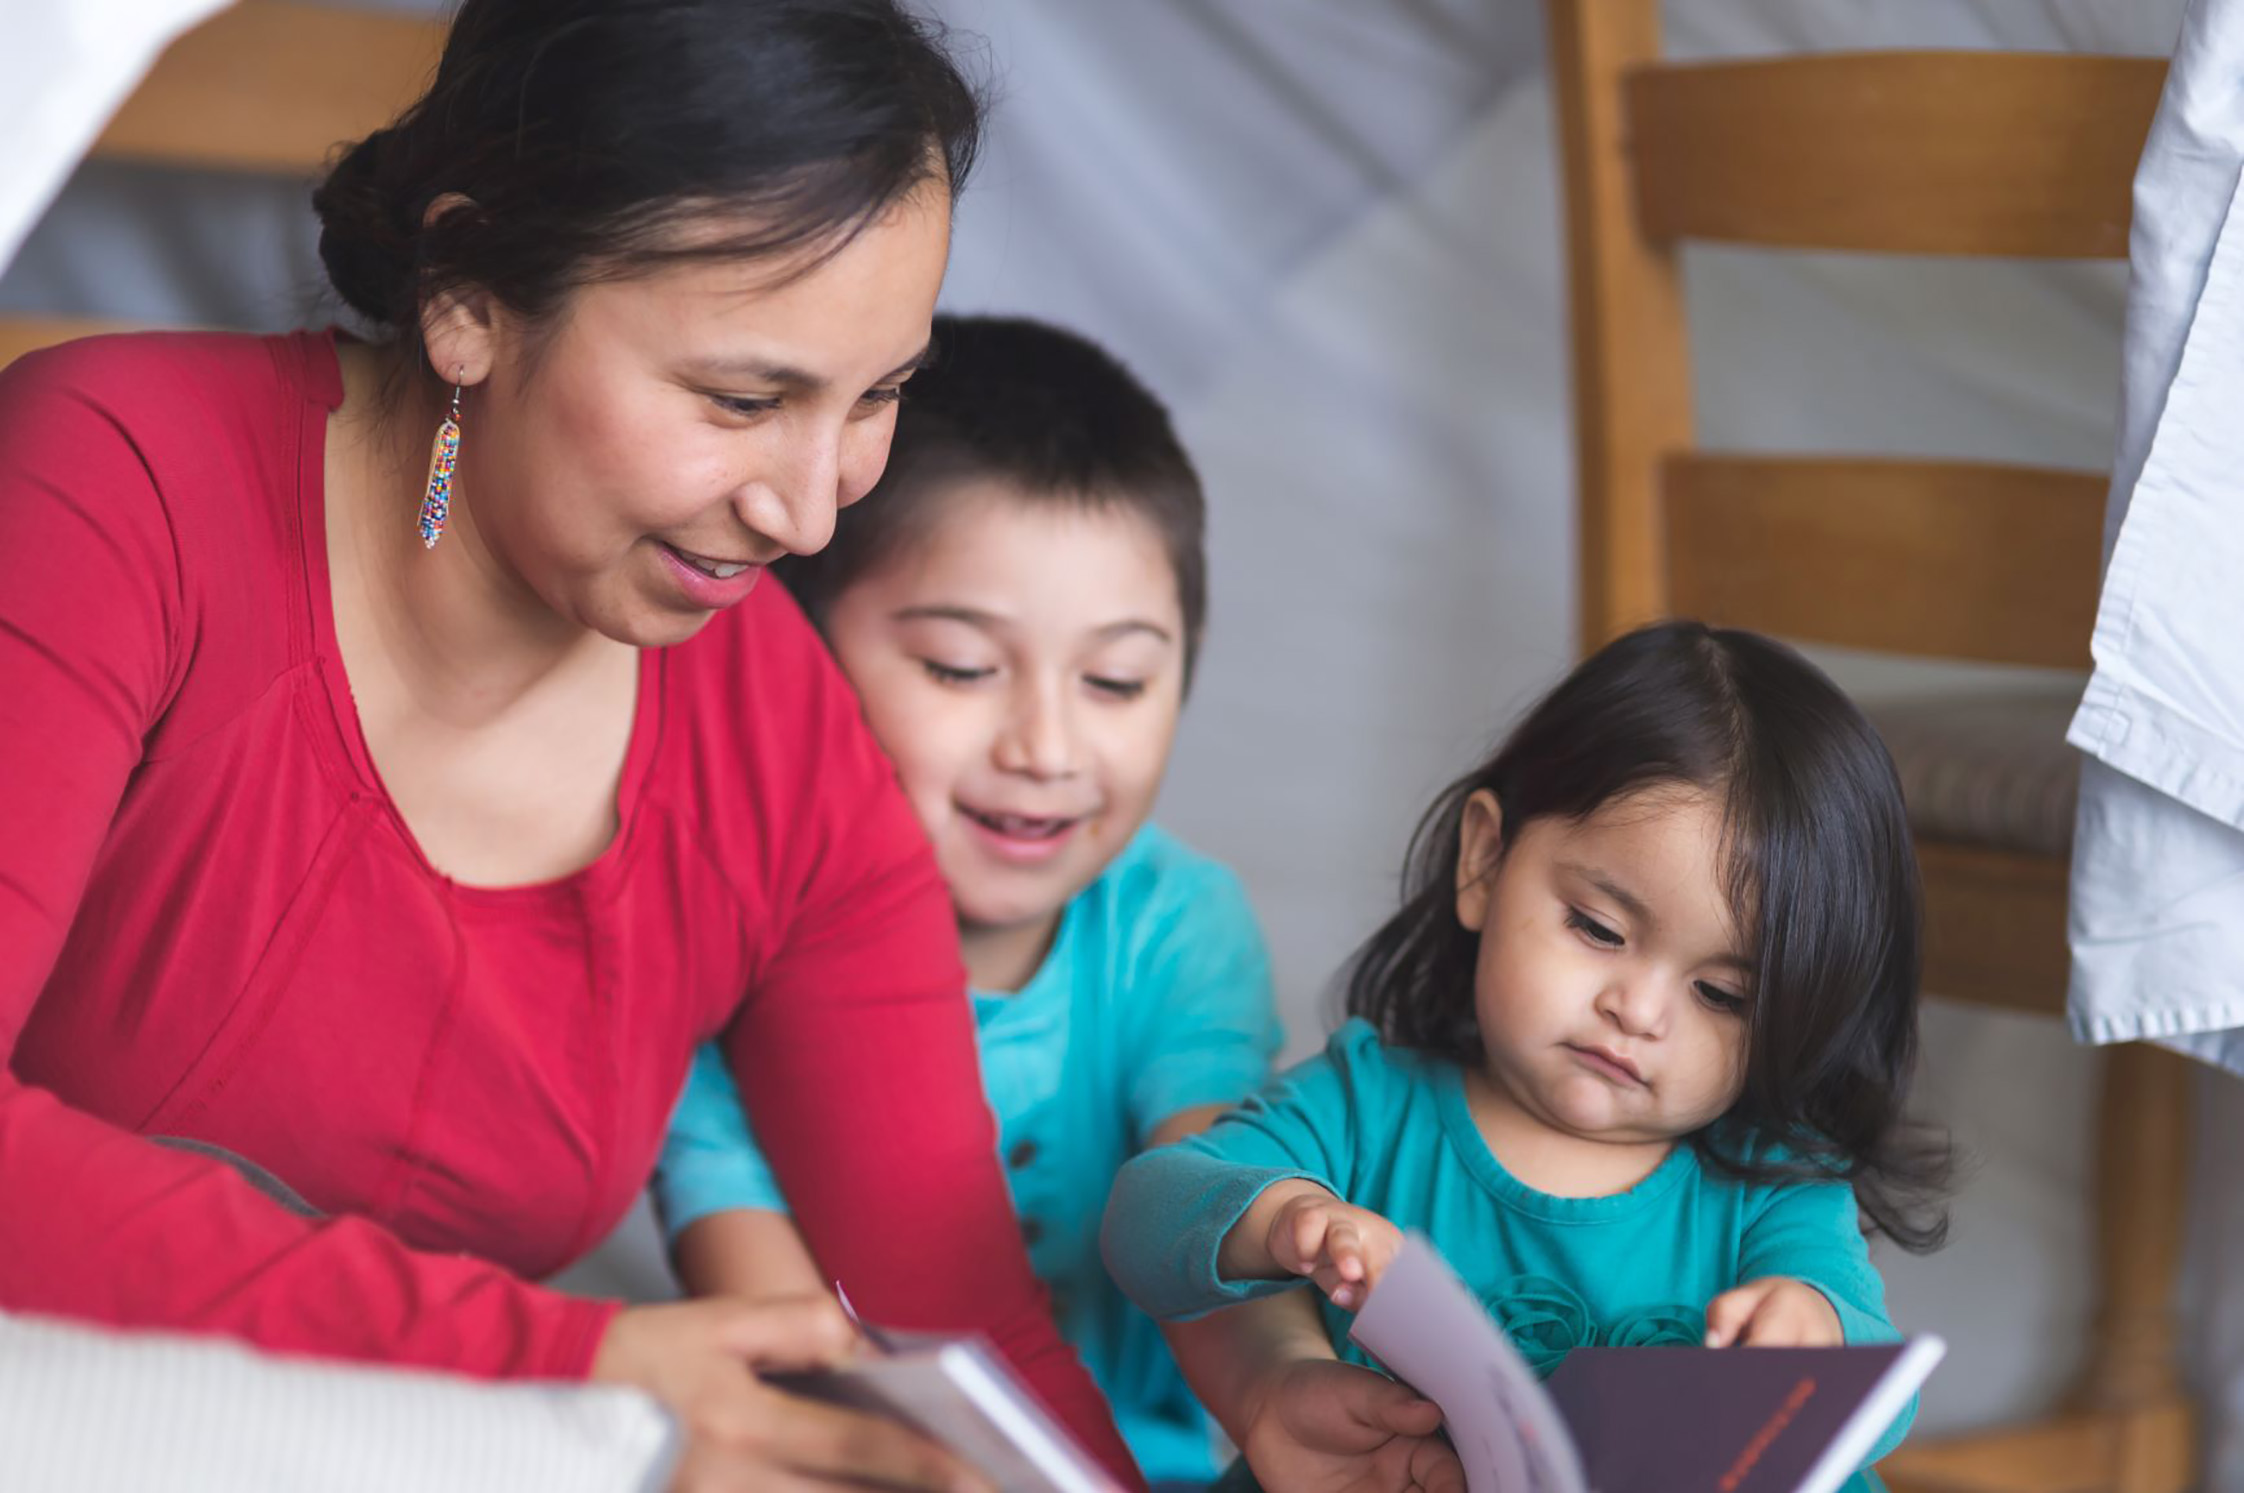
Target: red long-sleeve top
x=214, y=924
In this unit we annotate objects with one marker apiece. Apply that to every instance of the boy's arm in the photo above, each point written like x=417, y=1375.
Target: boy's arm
x=1303, y=1419
x=1203, y=1023
x=727, y=1222
x=747, y=1252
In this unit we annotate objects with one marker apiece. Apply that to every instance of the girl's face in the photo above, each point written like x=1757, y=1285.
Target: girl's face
x=1023, y=664
x=1612, y=990
x=634, y=466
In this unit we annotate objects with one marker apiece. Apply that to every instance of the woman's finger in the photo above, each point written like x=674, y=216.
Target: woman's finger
x=807, y=1332
x=830, y=1442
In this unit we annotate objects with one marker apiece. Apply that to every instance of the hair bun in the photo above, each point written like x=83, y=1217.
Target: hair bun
x=365, y=236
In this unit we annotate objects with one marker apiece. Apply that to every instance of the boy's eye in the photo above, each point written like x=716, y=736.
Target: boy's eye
x=1729, y=1002
x=945, y=674
x=1590, y=928
x=1120, y=689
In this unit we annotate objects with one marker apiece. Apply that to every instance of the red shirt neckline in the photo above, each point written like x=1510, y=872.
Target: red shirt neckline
x=322, y=380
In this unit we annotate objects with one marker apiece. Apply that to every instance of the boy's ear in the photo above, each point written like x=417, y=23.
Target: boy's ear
x=1480, y=845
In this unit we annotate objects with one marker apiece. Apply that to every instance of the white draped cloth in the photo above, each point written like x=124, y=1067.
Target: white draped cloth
x=2158, y=859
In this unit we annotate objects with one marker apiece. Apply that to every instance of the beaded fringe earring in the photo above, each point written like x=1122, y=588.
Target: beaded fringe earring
x=444, y=459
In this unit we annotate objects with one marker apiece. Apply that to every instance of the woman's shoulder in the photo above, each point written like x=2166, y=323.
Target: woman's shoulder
x=171, y=378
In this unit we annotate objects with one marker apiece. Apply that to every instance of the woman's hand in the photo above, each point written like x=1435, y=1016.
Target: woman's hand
x=703, y=1360
x=1321, y=1426
x=1773, y=1312
x=1341, y=1247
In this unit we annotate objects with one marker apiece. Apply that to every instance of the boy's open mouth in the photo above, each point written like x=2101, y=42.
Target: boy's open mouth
x=1020, y=826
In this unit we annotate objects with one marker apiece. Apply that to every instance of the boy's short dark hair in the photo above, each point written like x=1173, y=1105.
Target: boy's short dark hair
x=1050, y=413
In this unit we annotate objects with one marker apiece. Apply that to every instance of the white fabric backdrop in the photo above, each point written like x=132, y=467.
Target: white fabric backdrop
x=1327, y=231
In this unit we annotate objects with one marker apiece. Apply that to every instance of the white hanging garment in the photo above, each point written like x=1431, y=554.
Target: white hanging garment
x=2158, y=857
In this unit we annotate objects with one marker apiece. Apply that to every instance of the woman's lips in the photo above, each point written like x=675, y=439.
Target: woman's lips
x=708, y=583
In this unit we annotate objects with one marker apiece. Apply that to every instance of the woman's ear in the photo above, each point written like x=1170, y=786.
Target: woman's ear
x=458, y=325
x=1480, y=846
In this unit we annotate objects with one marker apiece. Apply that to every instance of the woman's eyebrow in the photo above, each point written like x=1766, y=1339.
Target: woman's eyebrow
x=788, y=379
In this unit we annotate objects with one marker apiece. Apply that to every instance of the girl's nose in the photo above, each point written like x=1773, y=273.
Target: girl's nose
x=1635, y=1004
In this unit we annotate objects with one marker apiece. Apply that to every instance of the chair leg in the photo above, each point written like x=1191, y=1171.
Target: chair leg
x=2127, y=1428
x=2142, y=1182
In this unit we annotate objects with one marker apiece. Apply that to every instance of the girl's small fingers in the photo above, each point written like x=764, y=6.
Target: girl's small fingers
x=1344, y=1247
x=1730, y=1313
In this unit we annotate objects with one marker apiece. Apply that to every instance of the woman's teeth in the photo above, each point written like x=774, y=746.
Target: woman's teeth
x=717, y=568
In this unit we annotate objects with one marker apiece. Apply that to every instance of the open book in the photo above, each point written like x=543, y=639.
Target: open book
x=960, y=1391
x=1633, y=1420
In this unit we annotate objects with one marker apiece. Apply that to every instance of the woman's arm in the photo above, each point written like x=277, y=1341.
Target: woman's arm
x=856, y=1058
x=95, y=636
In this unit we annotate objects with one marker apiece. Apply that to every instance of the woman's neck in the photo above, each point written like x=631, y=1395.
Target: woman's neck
x=455, y=624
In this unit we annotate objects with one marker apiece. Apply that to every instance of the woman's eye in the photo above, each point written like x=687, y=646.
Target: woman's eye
x=1119, y=689
x=733, y=404
x=888, y=395
x=1592, y=929
x=945, y=674
x=1728, y=1002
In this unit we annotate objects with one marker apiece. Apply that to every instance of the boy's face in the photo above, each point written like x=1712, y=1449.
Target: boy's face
x=1023, y=665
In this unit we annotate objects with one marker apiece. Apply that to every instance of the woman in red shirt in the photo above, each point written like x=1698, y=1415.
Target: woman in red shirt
x=402, y=833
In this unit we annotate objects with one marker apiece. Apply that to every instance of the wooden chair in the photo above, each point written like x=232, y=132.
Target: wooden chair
x=2006, y=155
x=266, y=87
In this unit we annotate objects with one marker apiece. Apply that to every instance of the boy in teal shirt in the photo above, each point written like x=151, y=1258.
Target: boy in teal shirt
x=1019, y=604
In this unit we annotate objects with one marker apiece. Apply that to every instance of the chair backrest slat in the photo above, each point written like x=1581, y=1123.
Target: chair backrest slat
x=274, y=87
x=2020, y=155
x=1940, y=559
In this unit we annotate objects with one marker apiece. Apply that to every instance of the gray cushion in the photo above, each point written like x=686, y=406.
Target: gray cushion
x=1986, y=770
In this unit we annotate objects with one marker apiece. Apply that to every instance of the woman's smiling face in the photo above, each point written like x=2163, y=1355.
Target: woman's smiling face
x=637, y=461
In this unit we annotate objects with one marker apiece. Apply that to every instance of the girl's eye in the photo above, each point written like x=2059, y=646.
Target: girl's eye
x=1590, y=928
x=945, y=674
x=733, y=404
x=1728, y=1002
x=1119, y=689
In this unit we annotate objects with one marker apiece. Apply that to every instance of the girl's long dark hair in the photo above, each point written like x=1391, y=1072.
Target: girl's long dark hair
x=1821, y=872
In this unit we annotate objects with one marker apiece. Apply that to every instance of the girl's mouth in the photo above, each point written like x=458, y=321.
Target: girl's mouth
x=1608, y=1064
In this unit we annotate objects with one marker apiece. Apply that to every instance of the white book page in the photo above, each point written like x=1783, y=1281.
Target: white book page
x=1432, y=1332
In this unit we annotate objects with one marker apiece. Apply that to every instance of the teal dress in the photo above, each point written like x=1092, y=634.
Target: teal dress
x=1154, y=999
x=1390, y=1130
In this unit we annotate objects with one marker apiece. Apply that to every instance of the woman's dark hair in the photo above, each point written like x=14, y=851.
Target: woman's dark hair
x=583, y=133
x=1822, y=879
x=1052, y=415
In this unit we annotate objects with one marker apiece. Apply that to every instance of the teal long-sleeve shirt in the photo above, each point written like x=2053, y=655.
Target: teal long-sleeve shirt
x=1390, y=1130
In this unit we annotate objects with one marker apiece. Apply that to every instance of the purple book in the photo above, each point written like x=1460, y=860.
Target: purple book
x=1634, y=1420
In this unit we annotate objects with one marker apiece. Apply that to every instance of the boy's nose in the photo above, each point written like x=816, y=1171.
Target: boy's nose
x=1039, y=739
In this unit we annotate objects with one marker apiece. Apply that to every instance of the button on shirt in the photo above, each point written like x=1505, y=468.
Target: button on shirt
x=1155, y=999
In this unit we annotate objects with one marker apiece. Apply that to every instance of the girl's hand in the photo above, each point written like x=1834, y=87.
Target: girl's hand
x=1321, y=1426
x=1773, y=1312
x=702, y=1360
x=1341, y=1247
